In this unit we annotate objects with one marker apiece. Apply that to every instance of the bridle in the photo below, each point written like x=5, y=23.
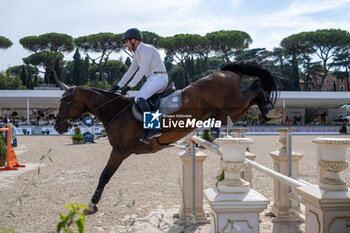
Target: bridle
x=65, y=117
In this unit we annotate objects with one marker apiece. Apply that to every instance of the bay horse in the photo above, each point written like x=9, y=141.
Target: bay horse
x=217, y=95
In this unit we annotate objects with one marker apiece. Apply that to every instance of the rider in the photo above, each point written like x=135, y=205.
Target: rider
x=146, y=62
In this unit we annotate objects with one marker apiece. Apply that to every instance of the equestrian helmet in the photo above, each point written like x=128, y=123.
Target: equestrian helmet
x=132, y=33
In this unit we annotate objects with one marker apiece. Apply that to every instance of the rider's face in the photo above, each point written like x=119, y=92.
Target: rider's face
x=128, y=44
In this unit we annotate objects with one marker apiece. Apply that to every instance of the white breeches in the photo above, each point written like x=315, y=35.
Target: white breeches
x=155, y=83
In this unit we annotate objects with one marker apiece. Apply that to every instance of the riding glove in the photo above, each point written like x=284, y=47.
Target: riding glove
x=114, y=89
x=125, y=90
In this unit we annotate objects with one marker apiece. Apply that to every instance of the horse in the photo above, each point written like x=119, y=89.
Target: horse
x=217, y=95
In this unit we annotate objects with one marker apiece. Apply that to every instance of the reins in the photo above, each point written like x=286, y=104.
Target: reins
x=114, y=118
x=69, y=102
x=100, y=106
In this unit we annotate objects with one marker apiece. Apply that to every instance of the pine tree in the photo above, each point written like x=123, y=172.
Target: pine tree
x=77, y=68
x=24, y=77
x=85, y=70
x=128, y=61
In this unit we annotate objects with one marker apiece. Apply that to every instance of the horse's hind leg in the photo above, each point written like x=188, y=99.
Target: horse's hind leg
x=113, y=164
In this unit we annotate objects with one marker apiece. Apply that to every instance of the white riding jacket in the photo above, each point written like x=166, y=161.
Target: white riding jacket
x=149, y=62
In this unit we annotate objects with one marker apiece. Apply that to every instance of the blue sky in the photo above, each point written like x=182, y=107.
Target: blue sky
x=267, y=22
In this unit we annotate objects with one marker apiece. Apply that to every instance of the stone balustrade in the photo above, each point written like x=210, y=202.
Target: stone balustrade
x=235, y=206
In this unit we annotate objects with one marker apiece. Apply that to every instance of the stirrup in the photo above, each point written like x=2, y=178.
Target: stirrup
x=151, y=134
x=156, y=133
x=145, y=140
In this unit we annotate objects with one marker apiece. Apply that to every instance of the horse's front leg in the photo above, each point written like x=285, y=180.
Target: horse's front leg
x=113, y=164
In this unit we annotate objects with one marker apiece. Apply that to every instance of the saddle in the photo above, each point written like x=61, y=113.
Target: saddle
x=154, y=100
x=168, y=101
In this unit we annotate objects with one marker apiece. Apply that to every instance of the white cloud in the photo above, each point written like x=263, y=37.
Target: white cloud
x=267, y=26
x=300, y=7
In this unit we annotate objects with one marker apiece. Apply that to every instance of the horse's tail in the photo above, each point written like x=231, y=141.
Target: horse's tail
x=267, y=79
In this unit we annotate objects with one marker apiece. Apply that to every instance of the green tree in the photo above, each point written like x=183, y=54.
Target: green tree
x=168, y=62
x=251, y=55
x=181, y=47
x=176, y=75
x=44, y=59
x=228, y=44
x=326, y=43
x=77, y=68
x=10, y=81
x=342, y=61
x=102, y=44
x=114, y=71
x=85, y=69
x=47, y=48
x=202, y=51
x=68, y=73
x=5, y=43
x=127, y=61
x=27, y=73
x=151, y=38
x=298, y=48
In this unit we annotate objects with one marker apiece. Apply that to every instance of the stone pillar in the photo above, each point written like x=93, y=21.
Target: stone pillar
x=281, y=201
x=234, y=204
x=328, y=204
x=187, y=185
x=247, y=173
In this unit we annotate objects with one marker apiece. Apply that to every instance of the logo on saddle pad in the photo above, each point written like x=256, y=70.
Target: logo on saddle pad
x=151, y=120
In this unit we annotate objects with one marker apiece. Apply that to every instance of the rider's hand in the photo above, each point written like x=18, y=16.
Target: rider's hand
x=125, y=90
x=114, y=89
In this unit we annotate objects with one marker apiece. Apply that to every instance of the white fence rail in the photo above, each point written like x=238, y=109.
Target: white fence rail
x=282, y=178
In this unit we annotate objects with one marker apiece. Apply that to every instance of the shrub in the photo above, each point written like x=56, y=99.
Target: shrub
x=73, y=217
x=207, y=136
x=342, y=129
x=77, y=134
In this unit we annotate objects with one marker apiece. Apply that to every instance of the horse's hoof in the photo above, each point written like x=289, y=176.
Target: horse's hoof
x=275, y=120
x=92, y=210
x=276, y=113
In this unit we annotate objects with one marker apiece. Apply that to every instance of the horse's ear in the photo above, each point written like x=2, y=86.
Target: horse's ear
x=63, y=86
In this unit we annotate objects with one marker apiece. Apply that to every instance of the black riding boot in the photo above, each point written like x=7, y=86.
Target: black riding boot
x=147, y=133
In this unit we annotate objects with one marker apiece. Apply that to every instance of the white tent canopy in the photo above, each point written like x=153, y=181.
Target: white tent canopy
x=312, y=99
x=29, y=99
x=50, y=99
